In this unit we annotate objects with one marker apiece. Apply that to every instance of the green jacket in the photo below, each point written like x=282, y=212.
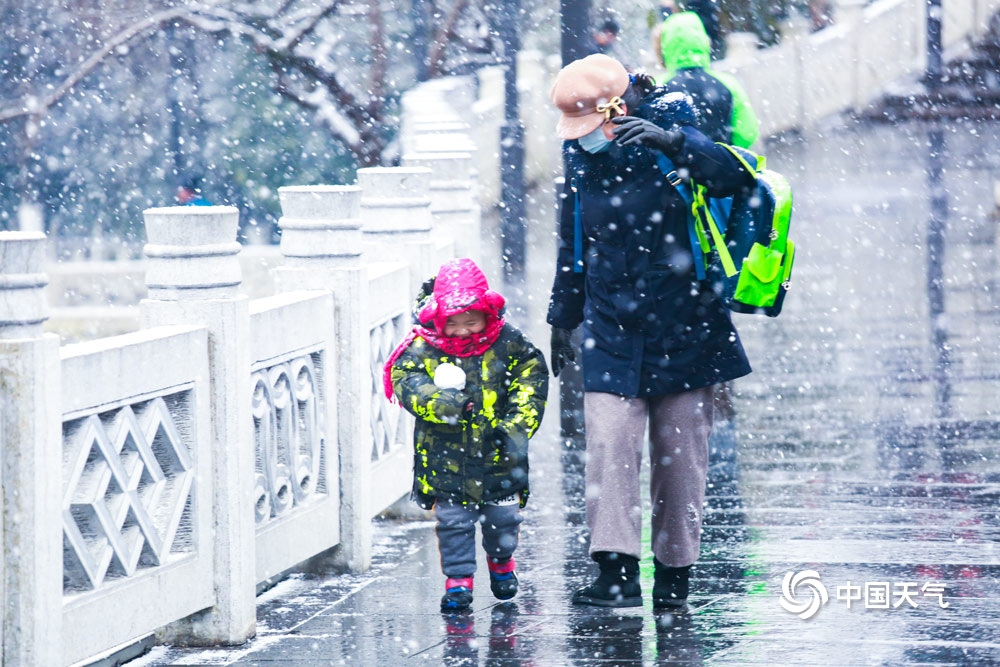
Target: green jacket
x=685, y=46
x=482, y=455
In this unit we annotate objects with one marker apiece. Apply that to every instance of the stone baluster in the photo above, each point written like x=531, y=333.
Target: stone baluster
x=741, y=46
x=441, y=137
x=31, y=458
x=424, y=105
x=193, y=276
x=396, y=219
x=321, y=241
x=454, y=204
x=851, y=13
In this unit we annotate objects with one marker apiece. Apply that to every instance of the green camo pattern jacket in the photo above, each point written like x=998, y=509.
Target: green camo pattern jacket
x=482, y=456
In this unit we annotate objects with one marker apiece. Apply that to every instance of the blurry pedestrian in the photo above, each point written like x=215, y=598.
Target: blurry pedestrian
x=477, y=387
x=606, y=36
x=607, y=40
x=708, y=12
x=656, y=338
x=664, y=9
x=189, y=192
x=725, y=113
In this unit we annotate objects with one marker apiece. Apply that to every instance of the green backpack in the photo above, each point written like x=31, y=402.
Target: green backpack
x=741, y=243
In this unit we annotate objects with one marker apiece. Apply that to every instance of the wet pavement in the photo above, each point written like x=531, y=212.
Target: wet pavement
x=865, y=449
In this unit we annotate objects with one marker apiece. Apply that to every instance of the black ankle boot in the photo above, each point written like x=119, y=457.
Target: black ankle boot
x=617, y=585
x=457, y=594
x=670, y=585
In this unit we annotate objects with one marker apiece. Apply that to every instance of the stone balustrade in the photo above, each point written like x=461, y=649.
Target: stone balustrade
x=153, y=481
x=811, y=76
x=454, y=206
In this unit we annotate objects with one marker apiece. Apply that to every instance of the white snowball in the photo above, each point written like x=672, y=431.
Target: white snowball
x=449, y=376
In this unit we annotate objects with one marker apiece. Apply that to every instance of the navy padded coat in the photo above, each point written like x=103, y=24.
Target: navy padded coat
x=650, y=327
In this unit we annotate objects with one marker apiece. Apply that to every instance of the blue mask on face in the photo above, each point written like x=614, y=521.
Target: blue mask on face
x=595, y=142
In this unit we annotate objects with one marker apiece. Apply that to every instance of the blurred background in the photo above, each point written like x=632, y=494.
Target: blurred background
x=108, y=107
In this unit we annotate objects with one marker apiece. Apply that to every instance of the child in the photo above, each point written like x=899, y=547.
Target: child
x=477, y=387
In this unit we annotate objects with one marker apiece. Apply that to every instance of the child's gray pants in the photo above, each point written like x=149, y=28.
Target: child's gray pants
x=679, y=425
x=456, y=531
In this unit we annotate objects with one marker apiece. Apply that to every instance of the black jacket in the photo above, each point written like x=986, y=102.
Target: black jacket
x=650, y=327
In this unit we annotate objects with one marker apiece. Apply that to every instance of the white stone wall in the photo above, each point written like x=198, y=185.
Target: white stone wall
x=848, y=65
x=392, y=427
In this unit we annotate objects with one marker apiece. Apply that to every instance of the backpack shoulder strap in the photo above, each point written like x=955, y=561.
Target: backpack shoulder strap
x=699, y=241
x=577, y=228
x=751, y=161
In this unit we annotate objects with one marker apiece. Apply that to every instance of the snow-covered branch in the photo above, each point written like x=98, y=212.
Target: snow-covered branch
x=33, y=105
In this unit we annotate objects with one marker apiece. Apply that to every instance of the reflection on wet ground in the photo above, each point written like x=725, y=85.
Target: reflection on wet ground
x=865, y=449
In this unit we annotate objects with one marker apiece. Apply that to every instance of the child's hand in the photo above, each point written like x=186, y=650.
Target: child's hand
x=449, y=376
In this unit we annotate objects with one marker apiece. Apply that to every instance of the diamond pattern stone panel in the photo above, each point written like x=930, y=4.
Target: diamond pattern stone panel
x=129, y=477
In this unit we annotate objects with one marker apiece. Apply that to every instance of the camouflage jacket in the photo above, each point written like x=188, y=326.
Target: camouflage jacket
x=482, y=455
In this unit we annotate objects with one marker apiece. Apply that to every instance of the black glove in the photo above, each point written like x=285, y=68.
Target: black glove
x=562, y=349
x=632, y=130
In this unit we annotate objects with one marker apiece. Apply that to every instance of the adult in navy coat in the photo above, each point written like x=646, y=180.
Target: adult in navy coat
x=655, y=338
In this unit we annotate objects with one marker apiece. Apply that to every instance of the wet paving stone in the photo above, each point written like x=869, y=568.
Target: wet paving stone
x=865, y=449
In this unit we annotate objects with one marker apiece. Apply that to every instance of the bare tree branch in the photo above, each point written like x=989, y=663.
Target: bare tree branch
x=353, y=114
x=31, y=105
x=293, y=40
x=435, y=57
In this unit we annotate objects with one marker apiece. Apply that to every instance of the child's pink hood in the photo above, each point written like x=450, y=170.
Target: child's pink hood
x=460, y=286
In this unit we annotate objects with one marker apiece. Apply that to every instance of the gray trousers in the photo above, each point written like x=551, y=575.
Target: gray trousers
x=679, y=425
x=456, y=532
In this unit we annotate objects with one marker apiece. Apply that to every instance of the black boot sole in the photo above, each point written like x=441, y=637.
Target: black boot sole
x=504, y=589
x=452, y=602
x=601, y=602
x=668, y=603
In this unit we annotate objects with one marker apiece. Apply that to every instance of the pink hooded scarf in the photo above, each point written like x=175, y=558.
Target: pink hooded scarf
x=460, y=286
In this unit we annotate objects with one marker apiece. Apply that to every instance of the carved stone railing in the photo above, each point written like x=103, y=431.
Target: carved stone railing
x=810, y=76
x=296, y=496
x=135, y=438
x=391, y=426
x=153, y=480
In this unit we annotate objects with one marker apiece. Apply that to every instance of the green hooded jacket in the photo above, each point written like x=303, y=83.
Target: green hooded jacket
x=685, y=45
x=480, y=454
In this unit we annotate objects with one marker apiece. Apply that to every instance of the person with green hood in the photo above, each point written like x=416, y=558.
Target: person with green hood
x=725, y=114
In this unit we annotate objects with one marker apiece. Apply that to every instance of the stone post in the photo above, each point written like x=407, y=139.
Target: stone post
x=441, y=137
x=396, y=219
x=741, y=46
x=321, y=242
x=31, y=455
x=851, y=14
x=796, y=26
x=193, y=277
x=454, y=205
